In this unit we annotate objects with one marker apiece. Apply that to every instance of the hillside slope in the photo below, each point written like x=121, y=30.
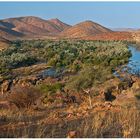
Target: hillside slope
x=30, y=26
x=83, y=29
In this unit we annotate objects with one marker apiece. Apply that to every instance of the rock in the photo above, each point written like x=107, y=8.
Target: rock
x=27, y=81
x=72, y=134
x=15, y=81
x=6, y=86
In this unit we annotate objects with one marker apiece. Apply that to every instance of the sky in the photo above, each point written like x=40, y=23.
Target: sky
x=108, y=14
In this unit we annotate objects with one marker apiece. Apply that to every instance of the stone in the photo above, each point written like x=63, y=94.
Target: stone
x=5, y=86
x=27, y=81
x=72, y=134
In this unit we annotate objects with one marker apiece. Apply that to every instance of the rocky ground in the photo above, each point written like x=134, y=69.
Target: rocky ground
x=64, y=119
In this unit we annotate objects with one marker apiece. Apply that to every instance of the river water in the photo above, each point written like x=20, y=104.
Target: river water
x=134, y=61
x=132, y=67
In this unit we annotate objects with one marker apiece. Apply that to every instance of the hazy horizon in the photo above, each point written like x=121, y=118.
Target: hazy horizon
x=108, y=14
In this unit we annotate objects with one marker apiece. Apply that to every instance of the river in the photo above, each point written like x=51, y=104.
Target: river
x=132, y=67
x=134, y=61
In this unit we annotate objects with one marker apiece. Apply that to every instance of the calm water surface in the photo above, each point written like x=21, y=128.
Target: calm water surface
x=134, y=61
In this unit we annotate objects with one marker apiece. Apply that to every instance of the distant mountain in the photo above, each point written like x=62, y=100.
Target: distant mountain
x=124, y=29
x=83, y=29
x=52, y=26
x=30, y=26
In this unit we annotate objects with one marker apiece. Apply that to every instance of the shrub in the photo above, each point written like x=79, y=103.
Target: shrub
x=89, y=76
x=50, y=91
x=50, y=88
x=24, y=97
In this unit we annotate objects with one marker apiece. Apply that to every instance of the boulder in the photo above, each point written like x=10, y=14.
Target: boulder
x=27, y=81
x=6, y=86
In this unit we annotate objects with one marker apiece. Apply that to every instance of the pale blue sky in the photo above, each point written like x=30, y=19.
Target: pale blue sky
x=109, y=14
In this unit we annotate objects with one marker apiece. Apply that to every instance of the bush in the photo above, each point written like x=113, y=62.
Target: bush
x=89, y=76
x=24, y=97
x=50, y=88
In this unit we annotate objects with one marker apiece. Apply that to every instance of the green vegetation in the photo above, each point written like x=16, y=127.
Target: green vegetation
x=50, y=88
x=93, y=60
x=49, y=91
x=65, y=53
x=89, y=76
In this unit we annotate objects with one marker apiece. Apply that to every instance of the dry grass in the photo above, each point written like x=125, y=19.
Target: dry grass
x=125, y=123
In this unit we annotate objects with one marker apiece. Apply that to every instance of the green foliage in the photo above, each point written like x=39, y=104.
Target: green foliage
x=89, y=76
x=64, y=53
x=50, y=88
x=70, y=55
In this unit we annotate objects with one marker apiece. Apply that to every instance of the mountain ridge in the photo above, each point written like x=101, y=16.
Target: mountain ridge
x=31, y=27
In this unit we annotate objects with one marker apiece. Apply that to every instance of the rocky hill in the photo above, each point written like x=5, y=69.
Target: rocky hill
x=84, y=29
x=30, y=26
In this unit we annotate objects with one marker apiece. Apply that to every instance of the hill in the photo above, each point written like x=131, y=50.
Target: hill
x=84, y=29
x=30, y=26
